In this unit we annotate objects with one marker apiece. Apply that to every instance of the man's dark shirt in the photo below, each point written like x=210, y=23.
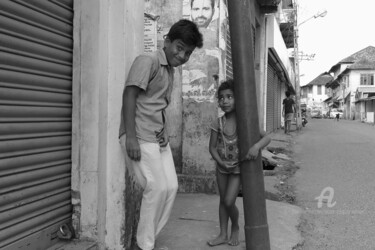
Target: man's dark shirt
x=288, y=102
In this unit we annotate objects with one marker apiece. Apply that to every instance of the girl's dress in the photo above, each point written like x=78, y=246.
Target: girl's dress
x=226, y=146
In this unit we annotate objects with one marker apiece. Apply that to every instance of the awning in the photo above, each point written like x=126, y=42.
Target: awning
x=348, y=95
x=328, y=99
x=366, y=99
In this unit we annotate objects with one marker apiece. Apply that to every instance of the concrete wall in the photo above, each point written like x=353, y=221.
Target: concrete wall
x=200, y=78
x=354, y=83
x=108, y=34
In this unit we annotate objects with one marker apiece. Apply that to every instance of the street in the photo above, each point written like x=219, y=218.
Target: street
x=335, y=184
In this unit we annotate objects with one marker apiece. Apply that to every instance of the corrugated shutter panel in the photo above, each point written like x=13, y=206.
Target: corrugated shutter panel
x=35, y=121
x=270, y=99
x=279, y=104
x=275, y=103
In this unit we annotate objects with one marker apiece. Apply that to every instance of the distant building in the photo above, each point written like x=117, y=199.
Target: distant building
x=353, y=87
x=315, y=92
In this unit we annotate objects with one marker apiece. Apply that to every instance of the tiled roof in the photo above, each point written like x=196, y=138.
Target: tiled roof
x=322, y=79
x=367, y=53
x=363, y=64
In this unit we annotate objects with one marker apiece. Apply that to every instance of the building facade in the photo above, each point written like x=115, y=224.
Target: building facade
x=353, y=85
x=315, y=92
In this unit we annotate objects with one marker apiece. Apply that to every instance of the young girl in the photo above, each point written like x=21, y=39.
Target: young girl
x=224, y=150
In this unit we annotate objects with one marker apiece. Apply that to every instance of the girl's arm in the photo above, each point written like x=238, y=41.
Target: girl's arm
x=213, y=149
x=255, y=149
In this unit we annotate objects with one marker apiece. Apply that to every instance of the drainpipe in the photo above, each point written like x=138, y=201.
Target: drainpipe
x=256, y=227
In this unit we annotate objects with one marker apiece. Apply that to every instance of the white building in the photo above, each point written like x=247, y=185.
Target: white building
x=315, y=92
x=353, y=86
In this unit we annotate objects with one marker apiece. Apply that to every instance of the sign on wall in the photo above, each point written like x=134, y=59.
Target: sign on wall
x=202, y=73
x=150, y=33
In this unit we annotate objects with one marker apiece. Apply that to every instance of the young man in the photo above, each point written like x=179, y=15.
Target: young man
x=143, y=129
x=289, y=109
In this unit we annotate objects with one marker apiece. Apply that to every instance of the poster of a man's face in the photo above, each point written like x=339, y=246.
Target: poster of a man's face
x=202, y=12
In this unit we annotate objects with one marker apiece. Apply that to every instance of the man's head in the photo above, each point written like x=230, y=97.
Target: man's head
x=202, y=12
x=180, y=42
x=287, y=93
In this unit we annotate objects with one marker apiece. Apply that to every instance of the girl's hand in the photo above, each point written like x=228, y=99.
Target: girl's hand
x=228, y=165
x=253, y=153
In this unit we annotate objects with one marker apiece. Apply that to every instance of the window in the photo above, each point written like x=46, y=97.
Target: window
x=346, y=79
x=319, y=89
x=367, y=79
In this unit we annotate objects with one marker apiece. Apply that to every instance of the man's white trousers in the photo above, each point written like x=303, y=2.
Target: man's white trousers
x=156, y=173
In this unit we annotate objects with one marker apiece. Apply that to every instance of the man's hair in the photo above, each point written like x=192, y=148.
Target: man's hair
x=212, y=4
x=287, y=93
x=187, y=31
x=228, y=84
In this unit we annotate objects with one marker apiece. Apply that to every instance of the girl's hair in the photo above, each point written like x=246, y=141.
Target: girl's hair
x=187, y=31
x=228, y=84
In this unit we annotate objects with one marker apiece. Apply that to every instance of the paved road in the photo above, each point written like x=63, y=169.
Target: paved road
x=336, y=160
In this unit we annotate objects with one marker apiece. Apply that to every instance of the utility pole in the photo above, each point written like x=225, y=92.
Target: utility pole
x=296, y=72
x=297, y=59
x=256, y=227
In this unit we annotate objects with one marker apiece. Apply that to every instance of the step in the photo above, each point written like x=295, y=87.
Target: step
x=74, y=245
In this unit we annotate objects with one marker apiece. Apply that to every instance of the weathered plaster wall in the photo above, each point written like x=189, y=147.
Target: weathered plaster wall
x=107, y=35
x=201, y=76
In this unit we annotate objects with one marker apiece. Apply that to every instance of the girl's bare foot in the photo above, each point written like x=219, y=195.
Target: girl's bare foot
x=218, y=241
x=234, y=237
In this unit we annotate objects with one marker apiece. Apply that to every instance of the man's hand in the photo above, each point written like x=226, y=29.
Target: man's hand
x=133, y=149
x=162, y=138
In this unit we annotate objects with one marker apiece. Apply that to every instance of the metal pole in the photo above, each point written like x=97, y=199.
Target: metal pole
x=256, y=227
x=296, y=62
x=297, y=78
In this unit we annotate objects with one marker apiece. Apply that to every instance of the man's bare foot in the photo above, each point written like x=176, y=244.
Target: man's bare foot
x=234, y=237
x=218, y=241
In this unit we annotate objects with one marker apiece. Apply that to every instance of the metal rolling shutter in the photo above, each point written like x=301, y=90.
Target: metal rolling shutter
x=279, y=104
x=275, y=103
x=270, y=99
x=35, y=121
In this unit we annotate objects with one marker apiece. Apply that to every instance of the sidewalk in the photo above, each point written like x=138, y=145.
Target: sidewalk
x=194, y=219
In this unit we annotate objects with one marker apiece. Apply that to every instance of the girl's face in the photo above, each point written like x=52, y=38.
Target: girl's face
x=226, y=100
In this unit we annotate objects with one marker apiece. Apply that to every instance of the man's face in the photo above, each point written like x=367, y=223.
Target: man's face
x=202, y=12
x=177, y=52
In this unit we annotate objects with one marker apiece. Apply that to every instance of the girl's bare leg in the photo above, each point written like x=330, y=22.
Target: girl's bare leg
x=233, y=187
x=222, y=238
